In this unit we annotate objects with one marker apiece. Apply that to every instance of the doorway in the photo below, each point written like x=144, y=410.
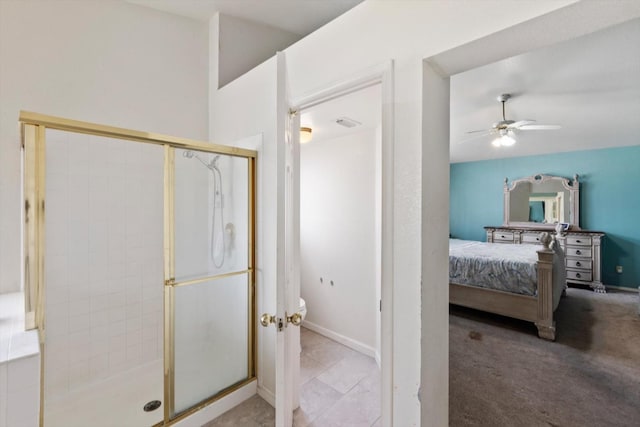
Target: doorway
x=340, y=259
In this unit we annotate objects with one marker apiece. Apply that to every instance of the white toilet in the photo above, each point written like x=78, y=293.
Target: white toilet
x=303, y=308
x=303, y=312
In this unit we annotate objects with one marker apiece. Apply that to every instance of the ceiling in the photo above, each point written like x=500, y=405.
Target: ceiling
x=297, y=16
x=364, y=106
x=590, y=86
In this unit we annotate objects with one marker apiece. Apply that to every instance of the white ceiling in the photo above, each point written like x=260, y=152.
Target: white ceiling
x=589, y=85
x=364, y=106
x=297, y=16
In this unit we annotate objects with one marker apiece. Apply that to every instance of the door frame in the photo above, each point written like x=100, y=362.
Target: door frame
x=379, y=74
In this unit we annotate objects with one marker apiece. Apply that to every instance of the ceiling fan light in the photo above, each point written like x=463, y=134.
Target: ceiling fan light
x=507, y=141
x=497, y=142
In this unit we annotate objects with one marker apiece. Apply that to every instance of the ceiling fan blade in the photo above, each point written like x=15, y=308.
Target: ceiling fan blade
x=540, y=127
x=520, y=123
x=480, y=130
x=476, y=136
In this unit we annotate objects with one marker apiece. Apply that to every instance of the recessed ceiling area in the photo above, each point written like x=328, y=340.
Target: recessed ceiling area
x=297, y=16
x=590, y=86
x=363, y=106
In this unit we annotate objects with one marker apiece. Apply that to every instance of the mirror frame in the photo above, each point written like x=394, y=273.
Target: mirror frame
x=573, y=187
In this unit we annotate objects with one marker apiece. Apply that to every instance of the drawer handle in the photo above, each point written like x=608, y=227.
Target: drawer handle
x=578, y=264
x=578, y=252
x=577, y=274
x=502, y=236
x=578, y=241
x=537, y=238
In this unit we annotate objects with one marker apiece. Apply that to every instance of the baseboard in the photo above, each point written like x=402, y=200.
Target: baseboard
x=623, y=288
x=219, y=407
x=351, y=343
x=267, y=395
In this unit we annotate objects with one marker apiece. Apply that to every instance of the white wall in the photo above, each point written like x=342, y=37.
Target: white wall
x=108, y=62
x=243, y=44
x=338, y=236
x=435, y=249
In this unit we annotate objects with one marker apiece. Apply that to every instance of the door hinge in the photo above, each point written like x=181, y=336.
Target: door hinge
x=380, y=305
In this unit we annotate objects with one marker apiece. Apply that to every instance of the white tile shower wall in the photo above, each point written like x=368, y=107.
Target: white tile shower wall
x=104, y=267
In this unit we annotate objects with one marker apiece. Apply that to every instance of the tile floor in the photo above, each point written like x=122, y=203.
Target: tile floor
x=339, y=387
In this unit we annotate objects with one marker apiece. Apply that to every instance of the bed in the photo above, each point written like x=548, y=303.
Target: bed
x=521, y=281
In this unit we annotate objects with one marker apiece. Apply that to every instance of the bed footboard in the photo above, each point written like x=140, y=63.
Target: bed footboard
x=538, y=308
x=545, y=323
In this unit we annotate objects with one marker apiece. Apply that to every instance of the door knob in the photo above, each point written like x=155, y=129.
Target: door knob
x=267, y=319
x=295, y=319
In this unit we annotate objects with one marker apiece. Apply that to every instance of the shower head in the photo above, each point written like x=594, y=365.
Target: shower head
x=212, y=165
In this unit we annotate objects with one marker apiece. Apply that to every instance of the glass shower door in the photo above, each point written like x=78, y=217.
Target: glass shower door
x=209, y=292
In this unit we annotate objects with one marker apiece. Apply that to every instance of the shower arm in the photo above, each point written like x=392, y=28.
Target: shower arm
x=211, y=166
x=202, y=161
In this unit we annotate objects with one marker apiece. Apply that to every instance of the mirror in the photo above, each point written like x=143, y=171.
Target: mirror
x=542, y=201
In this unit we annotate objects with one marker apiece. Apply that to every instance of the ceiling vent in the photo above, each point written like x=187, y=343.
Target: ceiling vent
x=347, y=122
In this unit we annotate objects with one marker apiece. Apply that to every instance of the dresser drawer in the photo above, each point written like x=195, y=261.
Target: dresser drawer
x=579, y=252
x=579, y=240
x=531, y=238
x=502, y=236
x=579, y=275
x=579, y=263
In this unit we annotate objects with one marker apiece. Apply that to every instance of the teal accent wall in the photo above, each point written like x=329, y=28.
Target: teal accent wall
x=609, y=200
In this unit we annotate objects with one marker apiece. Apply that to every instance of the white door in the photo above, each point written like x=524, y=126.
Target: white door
x=288, y=265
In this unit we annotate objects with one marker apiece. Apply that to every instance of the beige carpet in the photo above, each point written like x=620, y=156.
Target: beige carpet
x=502, y=374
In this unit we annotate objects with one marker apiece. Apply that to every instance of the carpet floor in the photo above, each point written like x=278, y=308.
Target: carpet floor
x=502, y=374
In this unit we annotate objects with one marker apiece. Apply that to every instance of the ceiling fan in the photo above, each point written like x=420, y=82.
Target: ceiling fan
x=506, y=129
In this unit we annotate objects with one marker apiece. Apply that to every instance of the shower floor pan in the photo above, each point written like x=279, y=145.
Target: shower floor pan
x=117, y=401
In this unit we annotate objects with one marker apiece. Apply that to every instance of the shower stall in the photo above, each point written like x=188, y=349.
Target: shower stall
x=139, y=274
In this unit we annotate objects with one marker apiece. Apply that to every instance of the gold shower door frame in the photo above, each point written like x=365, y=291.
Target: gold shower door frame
x=33, y=130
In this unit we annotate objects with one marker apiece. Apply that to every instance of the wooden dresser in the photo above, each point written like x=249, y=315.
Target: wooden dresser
x=581, y=247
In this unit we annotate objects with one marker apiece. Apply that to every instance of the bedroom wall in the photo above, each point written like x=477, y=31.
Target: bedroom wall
x=609, y=200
